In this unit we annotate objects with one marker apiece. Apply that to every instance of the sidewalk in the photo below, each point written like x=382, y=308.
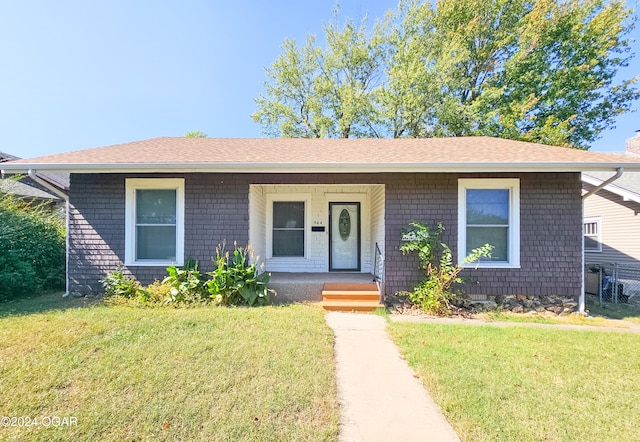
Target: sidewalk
x=380, y=399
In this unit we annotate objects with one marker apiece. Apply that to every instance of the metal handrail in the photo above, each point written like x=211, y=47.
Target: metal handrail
x=378, y=272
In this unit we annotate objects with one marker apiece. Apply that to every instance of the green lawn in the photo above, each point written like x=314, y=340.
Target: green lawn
x=209, y=374
x=628, y=312
x=526, y=383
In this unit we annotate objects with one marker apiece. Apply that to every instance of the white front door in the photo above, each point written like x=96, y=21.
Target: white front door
x=344, y=236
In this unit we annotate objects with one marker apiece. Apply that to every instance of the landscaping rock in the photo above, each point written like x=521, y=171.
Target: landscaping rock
x=463, y=305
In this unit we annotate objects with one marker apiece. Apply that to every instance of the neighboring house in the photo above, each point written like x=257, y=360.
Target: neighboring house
x=25, y=188
x=323, y=205
x=612, y=219
x=612, y=225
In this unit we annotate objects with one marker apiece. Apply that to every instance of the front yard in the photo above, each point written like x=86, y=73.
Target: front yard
x=165, y=374
x=528, y=384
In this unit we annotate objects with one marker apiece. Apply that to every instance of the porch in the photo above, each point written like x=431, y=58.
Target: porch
x=337, y=291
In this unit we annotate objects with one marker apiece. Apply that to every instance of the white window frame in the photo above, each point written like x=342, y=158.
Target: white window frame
x=592, y=220
x=513, y=186
x=134, y=184
x=288, y=197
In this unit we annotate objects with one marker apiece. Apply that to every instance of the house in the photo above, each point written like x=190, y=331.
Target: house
x=25, y=188
x=329, y=207
x=612, y=223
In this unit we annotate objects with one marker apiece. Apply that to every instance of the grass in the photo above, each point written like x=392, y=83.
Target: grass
x=213, y=374
x=627, y=312
x=536, y=318
x=528, y=384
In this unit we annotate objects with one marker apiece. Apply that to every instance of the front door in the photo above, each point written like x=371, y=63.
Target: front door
x=344, y=236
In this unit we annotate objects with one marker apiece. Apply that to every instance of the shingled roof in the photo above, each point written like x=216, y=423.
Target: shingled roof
x=455, y=154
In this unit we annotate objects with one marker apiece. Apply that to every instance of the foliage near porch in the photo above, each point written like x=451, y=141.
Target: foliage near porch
x=528, y=384
x=167, y=374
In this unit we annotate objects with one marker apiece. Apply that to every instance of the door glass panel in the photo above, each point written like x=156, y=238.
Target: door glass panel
x=345, y=233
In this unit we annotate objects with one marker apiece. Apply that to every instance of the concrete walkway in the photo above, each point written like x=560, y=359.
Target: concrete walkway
x=380, y=399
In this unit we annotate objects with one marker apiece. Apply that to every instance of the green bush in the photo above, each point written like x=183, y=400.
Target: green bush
x=156, y=293
x=435, y=293
x=32, y=248
x=117, y=284
x=236, y=280
x=187, y=285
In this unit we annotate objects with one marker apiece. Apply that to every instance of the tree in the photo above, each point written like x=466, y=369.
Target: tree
x=315, y=93
x=540, y=71
x=196, y=134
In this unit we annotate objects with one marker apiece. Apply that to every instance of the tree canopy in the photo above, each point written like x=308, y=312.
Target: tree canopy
x=532, y=70
x=196, y=134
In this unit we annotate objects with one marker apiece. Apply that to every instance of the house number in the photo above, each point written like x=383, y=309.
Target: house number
x=344, y=224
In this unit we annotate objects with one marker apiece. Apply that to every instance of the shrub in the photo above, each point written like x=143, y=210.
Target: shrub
x=236, y=280
x=117, y=284
x=435, y=293
x=32, y=248
x=156, y=293
x=187, y=285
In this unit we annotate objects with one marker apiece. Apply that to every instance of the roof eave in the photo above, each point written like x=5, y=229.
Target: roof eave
x=626, y=194
x=321, y=167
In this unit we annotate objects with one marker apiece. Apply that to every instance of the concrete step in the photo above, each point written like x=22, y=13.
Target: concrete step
x=349, y=286
x=347, y=297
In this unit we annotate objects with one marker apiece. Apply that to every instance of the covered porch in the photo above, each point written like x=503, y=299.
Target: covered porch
x=317, y=228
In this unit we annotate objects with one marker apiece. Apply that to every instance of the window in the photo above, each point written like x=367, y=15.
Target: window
x=154, y=231
x=592, y=241
x=489, y=213
x=288, y=228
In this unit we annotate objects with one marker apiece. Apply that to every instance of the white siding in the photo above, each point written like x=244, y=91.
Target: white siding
x=317, y=243
x=257, y=226
x=377, y=219
x=620, y=228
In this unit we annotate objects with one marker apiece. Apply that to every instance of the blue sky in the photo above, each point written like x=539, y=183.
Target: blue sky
x=78, y=74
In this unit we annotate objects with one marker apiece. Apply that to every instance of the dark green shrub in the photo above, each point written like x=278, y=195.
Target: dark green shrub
x=32, y=248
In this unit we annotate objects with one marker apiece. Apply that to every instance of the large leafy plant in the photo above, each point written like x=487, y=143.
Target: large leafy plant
x=236, y=279
x=187, y=285
x=435, y=293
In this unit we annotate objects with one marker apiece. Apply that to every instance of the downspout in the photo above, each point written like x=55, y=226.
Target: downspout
x=619, y=172
x=33, y=174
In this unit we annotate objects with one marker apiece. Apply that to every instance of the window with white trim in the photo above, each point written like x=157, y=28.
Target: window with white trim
x=287, y=223
x=154, y=229
x=592, y=239
x=288, y=229
x=489, y=213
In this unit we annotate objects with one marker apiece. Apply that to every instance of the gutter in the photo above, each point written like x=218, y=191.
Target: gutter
x=33, y=174
x=323, y=167
x=619, y=172
x=604, y=183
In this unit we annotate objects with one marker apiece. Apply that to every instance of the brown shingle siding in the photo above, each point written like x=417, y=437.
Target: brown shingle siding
x=550, y=244
x=216, y=209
